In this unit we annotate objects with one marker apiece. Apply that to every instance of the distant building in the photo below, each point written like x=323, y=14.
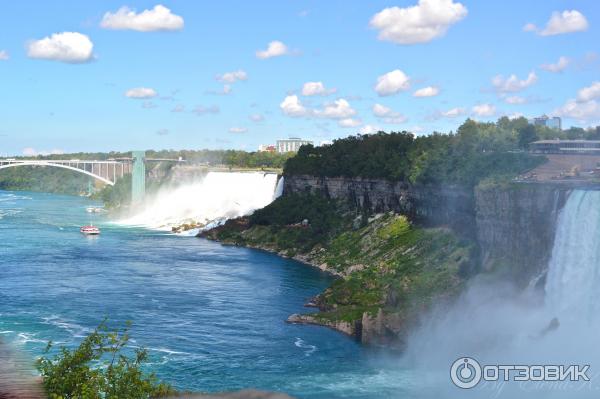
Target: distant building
x=292, y=144
x=266, y=148
x=554, y=123
x=565, y=147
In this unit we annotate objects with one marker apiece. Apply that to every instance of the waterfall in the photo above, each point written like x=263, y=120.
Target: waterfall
x=573, y=282
x=212, y=200
x=278, y=189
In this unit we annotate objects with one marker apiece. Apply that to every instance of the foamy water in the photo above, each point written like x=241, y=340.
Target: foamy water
x=210, y=201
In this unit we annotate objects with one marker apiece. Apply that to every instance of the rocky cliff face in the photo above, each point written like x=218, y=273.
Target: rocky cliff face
x=513, y=223
x=516, y=224
x=429, y=205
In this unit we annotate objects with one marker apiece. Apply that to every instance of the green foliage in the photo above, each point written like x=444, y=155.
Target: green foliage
x=43, y=179
x=98, y=368
x=476, y=151
x=117, y=195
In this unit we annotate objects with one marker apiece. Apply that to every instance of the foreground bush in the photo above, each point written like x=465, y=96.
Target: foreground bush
x=98, y=368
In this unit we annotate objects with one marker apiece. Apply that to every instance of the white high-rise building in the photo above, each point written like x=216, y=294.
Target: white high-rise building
x=292, y=144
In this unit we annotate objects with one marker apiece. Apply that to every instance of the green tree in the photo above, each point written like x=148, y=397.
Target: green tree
x=100, y=369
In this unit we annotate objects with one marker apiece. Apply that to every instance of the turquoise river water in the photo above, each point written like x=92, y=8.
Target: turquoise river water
x=211, y=316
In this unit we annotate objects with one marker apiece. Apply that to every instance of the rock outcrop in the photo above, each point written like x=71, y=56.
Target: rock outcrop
x=429, y=205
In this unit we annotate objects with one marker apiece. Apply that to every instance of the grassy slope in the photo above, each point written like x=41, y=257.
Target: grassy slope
x=388, y=264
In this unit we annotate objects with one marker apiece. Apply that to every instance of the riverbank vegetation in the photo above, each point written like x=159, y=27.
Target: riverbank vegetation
x=385, y=263
x=103, y=366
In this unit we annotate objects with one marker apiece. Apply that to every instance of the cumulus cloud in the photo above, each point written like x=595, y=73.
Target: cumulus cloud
x=349, y=122
x=237, y=130
x=589, y=93
x=514, y=100
x=160, y=18
x=388, y=115
x=428, y=20
x=339, y=109
x=141, y=92
x=316, y=89
x=4, y=55
x=391, y=83
x=274, y=49
x=588, y=111
x=202, y=110
x=429, y=91
x=484, y=110
x=232, y=77
x=559, y=66
x=559, y=23
x=256, y=118
x=369, y=129
x=32, y=152
x=70, y=47
x=513, y=83
x=453, y=113
x=291, y=106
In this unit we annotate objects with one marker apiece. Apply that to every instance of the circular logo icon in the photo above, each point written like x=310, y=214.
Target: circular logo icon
x=465, y=372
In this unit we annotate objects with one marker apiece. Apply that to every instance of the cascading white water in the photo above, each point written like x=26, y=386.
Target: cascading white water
x=212, y=200
x=573, y=282
x=279, y=188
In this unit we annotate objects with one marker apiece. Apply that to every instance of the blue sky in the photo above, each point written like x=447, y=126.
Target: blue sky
x=69, y=70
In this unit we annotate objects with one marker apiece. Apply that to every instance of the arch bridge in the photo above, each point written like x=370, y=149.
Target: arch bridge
x=108, y=171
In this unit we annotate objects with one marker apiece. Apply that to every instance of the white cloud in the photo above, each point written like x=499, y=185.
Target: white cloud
x=4, y=55
x=388, y=115
x=237, y=130
x=513, y=83
x=369, y=129
x=291, y=106
x=202, y=110
x=514, y=100
x=559, y=66
x=32, y=152
x=274, y=49
x=141, y=92
x=561, y=22
x=223, y=92
x=316, y=89
x=70, y=47
x=429, y=91
x=159, y=18
x=232, y=77
x=453, y=113
x=392, y=83
x=256, y=118
x=428, y=20
x=588, y=111
x=484, y=110
x=349, y=122
x=589, y=93
x=339, y=109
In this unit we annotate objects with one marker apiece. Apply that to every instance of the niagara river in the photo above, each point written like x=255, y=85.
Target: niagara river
x=211, y=316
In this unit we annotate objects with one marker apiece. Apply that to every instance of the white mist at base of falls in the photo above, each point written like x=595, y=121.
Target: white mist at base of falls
x=217, y=197
x=500, y=324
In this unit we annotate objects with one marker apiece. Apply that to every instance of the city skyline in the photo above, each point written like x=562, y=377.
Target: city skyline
x=119, y=75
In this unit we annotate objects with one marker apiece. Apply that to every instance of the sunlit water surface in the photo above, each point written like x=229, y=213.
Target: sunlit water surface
x=211, y=316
